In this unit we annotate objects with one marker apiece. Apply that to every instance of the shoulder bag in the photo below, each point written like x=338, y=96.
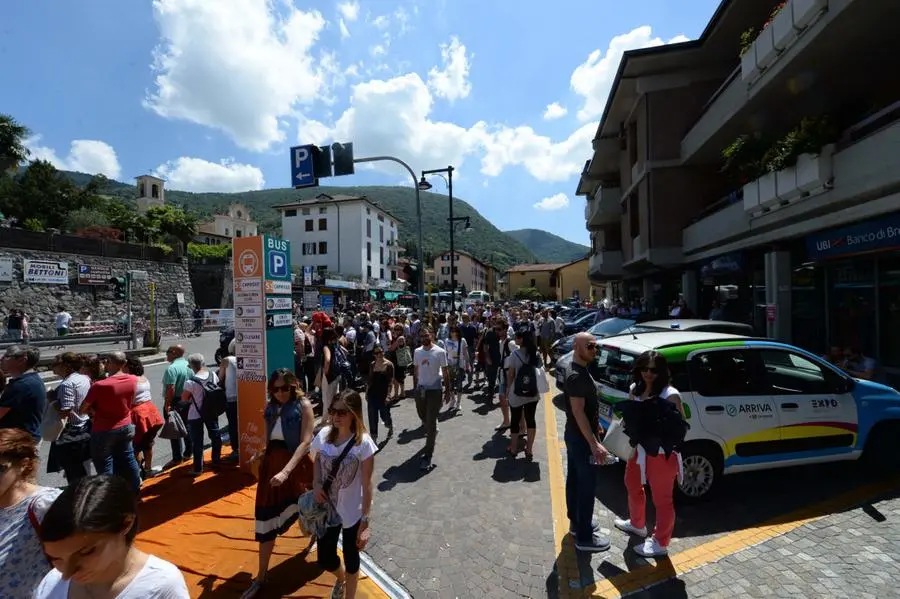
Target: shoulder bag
x=314, y=517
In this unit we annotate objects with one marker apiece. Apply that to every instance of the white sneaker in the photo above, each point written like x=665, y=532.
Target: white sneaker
x=651, y=548
x=626, y=526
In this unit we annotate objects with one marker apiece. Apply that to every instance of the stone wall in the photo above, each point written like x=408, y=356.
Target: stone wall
x=42, y=301
x=208, y=281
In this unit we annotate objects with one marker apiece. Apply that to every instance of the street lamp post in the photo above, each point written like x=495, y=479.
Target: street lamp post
x=425, y=185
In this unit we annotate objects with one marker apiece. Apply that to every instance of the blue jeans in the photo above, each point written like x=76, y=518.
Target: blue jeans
x=231, y=413
x=581, y=484
x=113, y=452
x=196, y=428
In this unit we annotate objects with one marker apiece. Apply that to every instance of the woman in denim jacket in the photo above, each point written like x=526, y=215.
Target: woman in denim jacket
x=286, y=470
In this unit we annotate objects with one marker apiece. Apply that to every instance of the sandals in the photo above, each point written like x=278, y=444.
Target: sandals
x=254, y=590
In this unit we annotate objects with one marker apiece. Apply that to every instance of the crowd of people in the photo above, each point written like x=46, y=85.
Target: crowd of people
x=314, y=468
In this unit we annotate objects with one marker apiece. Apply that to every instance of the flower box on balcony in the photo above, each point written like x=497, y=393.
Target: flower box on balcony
x=751, y=196
x=782, y=27
x=786, y=184
x=768, y=194
x=814, y=170
x=749, y=70
x=806, y=11
x=765, y=48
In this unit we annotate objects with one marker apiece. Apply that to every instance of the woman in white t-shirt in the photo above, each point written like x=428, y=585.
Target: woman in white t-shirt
x=350, y=493
x=88, y=535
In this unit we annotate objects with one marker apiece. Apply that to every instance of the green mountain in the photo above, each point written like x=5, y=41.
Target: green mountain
x=485, y=241
x=549, y=248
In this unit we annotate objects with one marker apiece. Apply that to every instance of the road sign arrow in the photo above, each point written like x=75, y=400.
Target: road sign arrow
x=270, y=321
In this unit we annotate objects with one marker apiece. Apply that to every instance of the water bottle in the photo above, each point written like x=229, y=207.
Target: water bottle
x=608, y=461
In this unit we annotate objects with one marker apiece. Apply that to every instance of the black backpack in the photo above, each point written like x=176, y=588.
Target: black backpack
x=525, y=384
x=213, y=398
x=340, y=365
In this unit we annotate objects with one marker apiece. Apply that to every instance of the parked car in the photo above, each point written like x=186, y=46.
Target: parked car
x=757, y=404
x=641, y=326
x=583, y=322
x=604, y=328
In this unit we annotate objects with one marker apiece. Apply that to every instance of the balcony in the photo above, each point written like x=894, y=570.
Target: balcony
x=863, y=166
x=603, y=209
x=806, y=56
x=605, y=265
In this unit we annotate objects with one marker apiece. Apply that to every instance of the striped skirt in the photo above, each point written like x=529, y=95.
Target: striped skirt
x=276, y=507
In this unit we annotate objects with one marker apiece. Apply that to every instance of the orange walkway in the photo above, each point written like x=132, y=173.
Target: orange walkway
x=205, y=526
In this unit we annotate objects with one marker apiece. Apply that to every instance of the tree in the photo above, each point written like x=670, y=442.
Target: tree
x=529, y=293
x=173, y=222
x=12, y=143
x=83, y=218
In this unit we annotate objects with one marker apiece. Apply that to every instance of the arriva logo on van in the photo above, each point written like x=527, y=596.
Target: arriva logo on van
x=749, y=408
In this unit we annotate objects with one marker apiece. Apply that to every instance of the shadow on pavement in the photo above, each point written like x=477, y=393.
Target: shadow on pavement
x=406, y=473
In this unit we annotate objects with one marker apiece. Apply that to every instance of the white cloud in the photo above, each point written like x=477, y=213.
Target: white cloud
x=451, y=82
x=555, y=111
x=85, y=156
x=378, y=50
x=345, y=33
x=349, y=10
x=196, y=174
x=226, y=64
x=554, y=202
x=593, y=78
x=392, y=117
x=381, y=22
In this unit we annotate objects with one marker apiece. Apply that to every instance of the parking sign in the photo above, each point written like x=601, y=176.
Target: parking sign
x=278, y=264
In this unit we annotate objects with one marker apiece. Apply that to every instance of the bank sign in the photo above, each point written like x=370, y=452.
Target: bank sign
x=867, y=236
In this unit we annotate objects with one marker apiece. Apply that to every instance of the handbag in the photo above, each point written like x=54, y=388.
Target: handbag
x=404, y=357
x=53, y=422
x=616, y=441
x=174, y=427
x=316, y=517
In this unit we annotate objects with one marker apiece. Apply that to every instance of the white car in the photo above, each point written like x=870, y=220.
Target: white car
x=755, y=404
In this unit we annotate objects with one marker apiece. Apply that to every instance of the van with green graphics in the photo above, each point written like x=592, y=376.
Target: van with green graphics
x=755, y=404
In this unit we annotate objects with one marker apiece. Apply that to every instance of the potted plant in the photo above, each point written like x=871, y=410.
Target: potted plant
x=742, y=163
x=781, y=160
x=749, y=70
x=766, y=52
x=815, y=147
x=807, y=11
x=783, y=30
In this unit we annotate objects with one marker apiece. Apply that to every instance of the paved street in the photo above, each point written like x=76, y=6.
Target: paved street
x=483, y=525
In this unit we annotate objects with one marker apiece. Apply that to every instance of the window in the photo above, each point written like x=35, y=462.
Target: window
x=393, y=275
x=323, y=247
x=381, y=274
x=323, y=210
x=239, y=233
x=381, y=234
x=369, y=271
x=369, y=251
x=323, y=224
x=368, y=211
x=380, y=218
x=369, y=229
x=290, y=213
x=380, y=255
x=613, y=367
x=143, y=189
x=154, y=190
x=321, y=270
x=788, y=373
x=305, y=212
x=227, y=231
x=726, y=373
x=533, y=283
x=309, y=249
x=309, y=225
x=445, y=270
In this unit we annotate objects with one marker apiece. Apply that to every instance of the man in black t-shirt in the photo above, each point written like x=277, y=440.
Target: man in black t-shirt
x=582, y=437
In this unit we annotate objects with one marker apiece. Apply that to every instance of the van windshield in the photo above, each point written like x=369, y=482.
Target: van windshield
x=614, y=367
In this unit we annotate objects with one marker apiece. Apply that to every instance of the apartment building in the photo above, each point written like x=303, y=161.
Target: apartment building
x=470, y=272
x=542, y=277
x=758, y=167
x=342, y=236
x=236, y=222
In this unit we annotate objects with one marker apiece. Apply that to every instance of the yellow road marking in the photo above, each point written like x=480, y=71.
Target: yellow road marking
x=684, y=561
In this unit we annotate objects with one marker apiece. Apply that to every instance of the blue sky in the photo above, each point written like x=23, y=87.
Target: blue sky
x=211, y=95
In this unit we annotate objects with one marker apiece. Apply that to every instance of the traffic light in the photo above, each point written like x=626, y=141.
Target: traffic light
x=121, y=287
x=343, y=159
x=321, y=161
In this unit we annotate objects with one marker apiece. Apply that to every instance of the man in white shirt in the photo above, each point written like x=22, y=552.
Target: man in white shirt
x=432, y=385
x=63, y=320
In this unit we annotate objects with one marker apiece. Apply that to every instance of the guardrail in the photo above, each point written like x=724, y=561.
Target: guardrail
x=67, y=340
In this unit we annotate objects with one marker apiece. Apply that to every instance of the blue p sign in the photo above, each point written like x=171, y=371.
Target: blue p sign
x=277, y=264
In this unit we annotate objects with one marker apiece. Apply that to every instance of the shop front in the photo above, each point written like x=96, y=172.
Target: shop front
x=735, y=282
x=853, y=274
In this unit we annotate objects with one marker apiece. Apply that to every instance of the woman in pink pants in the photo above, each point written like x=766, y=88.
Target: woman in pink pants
x=654, y=422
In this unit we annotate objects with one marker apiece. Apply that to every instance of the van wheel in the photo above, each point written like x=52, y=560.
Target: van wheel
x=703, y=465
x=882, y=451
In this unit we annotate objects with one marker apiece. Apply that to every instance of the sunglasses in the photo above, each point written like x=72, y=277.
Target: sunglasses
x=284, y=388
x=338, y=411
x=648, y=369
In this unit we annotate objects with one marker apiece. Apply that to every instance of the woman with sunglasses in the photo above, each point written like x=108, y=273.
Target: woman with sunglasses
x=654, y=422
x=381, y=377
x=22, y=508
x=88, y=536
x=286, y=469
x=350, y=492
